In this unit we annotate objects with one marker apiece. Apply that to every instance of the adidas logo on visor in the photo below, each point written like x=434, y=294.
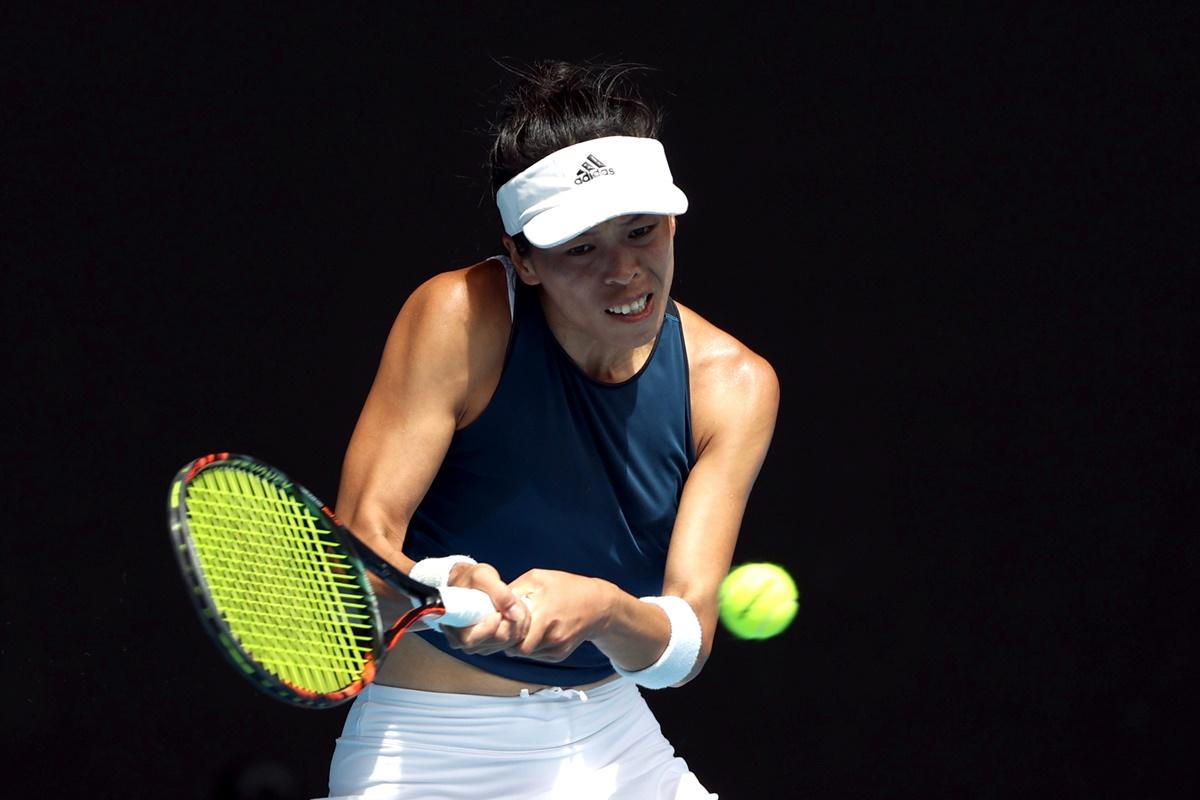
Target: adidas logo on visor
x=591, y=169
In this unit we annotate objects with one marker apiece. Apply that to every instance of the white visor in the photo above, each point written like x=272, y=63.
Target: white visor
x=578, y=187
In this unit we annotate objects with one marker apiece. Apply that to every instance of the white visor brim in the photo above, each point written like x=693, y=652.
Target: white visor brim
x=578, y=187
x=579, y=212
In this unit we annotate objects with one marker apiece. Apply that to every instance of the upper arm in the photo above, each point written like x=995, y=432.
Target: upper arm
x=735, y=401
x=420, y=394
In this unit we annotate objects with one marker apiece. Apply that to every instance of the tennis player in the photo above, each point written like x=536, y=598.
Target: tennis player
x=550, y=427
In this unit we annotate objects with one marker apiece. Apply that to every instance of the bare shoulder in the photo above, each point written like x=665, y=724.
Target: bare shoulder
x=477, y=293
x=455, y=312
x=453, y=330
x=731, y=385
x=717, y=359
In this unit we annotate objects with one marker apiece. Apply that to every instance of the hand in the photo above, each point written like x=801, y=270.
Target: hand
x=500, y=630
x=567, y=610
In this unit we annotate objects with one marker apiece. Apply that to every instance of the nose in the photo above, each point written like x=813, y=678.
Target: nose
x=622, y=269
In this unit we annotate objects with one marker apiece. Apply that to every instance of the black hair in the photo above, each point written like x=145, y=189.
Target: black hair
x=555, y=105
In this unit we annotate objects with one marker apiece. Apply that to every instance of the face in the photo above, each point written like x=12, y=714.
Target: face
x=609, y=285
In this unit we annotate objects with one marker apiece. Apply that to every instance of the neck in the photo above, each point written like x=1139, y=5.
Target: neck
x=612, y=368
x=601, y=361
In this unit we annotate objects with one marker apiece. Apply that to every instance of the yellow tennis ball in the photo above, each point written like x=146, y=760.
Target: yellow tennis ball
x=758, y=601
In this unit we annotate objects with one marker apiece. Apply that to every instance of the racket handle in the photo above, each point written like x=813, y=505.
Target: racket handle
x=463, y=607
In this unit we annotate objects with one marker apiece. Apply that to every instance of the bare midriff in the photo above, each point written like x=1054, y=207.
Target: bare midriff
x=415, y=664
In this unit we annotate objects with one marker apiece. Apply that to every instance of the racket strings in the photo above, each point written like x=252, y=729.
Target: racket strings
x=279, y=640
x=280, y=579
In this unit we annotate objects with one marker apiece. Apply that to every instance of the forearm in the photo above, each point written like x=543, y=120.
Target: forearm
x=631, y=633
x=384, y=534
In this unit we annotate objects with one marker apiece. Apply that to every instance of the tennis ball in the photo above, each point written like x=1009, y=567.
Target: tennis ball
x=758, y=601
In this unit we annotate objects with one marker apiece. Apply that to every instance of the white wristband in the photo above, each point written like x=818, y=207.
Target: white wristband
x=683, y=648
x=435, y=572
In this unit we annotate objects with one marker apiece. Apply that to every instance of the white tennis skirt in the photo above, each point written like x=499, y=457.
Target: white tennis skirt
x=555, y=743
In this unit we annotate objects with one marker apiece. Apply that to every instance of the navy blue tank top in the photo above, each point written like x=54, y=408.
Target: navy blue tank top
x=563, y=472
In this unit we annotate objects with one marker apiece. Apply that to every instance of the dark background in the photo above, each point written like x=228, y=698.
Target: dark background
x=958, y=236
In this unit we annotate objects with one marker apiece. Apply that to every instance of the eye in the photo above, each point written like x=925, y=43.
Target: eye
x=638, y=233
x=580, y=249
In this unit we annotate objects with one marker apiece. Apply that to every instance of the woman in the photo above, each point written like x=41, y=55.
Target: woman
x=550, y=428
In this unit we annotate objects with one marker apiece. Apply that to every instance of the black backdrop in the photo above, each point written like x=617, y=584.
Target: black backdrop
x=932, y=225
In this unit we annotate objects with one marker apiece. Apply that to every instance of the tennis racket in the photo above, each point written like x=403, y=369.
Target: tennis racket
x=280, y=585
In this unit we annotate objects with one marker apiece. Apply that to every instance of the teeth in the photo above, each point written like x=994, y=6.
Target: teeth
x=631, y=308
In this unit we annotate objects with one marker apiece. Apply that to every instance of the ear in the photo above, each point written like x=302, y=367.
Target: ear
x=525, y=269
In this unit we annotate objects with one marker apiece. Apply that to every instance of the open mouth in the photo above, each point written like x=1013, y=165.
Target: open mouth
x=633, y=310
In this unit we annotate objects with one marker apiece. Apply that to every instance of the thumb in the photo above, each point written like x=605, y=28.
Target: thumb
x=509, y=605
x=486, y=578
